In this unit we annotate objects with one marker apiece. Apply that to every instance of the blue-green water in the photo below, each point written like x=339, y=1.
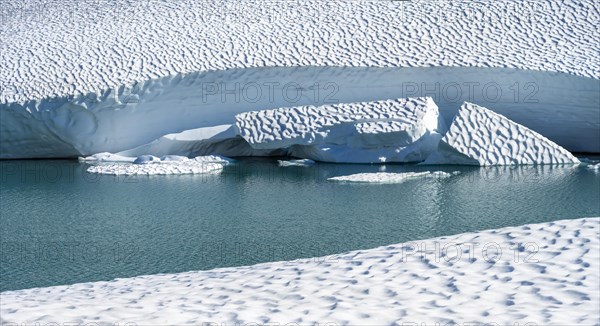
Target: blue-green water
x=60, y=225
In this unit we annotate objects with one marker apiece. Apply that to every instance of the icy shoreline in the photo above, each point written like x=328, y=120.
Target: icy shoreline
x=546, y=274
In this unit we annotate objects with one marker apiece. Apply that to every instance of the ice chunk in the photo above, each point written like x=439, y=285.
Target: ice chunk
x=303, y=162
x=479, y=136
x=171, y=165
x=400, y=130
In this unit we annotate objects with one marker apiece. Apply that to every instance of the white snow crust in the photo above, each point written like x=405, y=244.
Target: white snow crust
x=546, y=274
x=479, y=136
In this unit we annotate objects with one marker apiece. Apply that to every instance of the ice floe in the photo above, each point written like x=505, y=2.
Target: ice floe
x=302, y=162
x=544, y=274
x=389, y=177
x=170, y=164
x=479, y=136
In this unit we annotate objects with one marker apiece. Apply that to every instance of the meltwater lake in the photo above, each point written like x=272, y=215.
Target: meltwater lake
x=62, y=225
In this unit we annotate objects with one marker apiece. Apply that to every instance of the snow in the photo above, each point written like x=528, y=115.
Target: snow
x=94, y=46
x=152, y=165
x=81, y=82
x=401, y=130
x=387, y=177
x=543, y=274
x=479, y=136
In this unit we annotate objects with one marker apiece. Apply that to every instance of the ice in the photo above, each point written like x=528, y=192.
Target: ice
x=169, y=164
x=387, y=177
x=400, y=130
x=479, y=136
x=302, y=162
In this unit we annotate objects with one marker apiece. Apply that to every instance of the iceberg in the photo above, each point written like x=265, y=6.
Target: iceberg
x=399, y=130
x=479, y=136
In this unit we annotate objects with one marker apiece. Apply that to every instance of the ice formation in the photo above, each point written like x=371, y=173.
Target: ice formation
x=302, y=162
x=387, y=177
x=151, y=165
x=479, y=136
x=401, y=130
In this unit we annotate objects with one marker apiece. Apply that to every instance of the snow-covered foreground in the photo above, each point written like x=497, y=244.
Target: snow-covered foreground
x=115, y=75
x=542, y=274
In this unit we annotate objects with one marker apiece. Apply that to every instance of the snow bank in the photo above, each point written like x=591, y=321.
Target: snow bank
x=479, y=136
x=401, y=130
x=170, y=164
x=545, y=274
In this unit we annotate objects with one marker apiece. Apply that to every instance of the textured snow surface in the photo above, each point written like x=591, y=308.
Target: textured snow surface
x=547, y=274
x=108, y=76
x=52, y=49
x=482, y=137
x=401, y=130
x=151, y=165
x=387, y=177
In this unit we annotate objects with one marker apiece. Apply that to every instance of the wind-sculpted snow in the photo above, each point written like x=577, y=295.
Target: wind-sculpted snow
x=56, y=49
x=91, y=76
x=191, y=110
x=481, y=137
x=401, y=130
x=536, y=274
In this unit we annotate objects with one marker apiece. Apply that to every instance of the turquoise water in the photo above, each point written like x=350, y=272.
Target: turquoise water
x=60, y=225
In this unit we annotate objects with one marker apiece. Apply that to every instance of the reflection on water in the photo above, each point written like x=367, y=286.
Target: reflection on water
x=60, y=225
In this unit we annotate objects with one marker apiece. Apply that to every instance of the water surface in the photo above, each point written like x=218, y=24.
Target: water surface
x=61, y=225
